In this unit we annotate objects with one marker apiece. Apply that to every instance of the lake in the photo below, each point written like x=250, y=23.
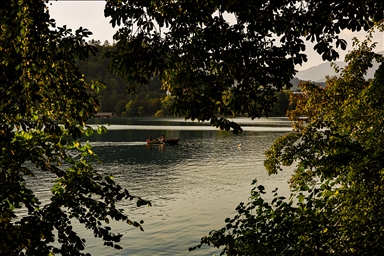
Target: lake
x=193, y=186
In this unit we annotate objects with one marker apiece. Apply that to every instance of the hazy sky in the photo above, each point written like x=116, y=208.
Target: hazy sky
x=90, y=14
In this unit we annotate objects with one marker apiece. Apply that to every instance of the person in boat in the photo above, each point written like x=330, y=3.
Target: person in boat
x=162, y=138
x=150, y=138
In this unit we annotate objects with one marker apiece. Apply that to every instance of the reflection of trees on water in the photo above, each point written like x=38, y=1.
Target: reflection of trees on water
x=139, y=154
x=163, y=170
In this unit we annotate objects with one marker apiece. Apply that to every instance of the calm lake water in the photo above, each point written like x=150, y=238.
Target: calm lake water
x=193, y=186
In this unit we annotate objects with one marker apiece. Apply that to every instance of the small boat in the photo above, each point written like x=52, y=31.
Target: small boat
x=166, y=141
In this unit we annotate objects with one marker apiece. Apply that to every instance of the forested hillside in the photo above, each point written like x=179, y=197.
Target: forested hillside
x=149, y=100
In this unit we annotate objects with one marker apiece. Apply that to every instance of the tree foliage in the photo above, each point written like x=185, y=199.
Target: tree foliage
x=336, y=206
x=45, y=103
x=150, y=98
x=113, y=96
x=213, y=67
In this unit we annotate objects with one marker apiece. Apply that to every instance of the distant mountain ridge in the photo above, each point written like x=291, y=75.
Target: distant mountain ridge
x=319, y=72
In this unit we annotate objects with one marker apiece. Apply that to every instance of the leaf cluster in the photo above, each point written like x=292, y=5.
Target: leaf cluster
x=213, y=67
x=336, y=203
x=148, y=99
x=279, y=227
x=45, y=103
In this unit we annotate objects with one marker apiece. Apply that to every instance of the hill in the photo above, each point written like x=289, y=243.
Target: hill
x=319, y=72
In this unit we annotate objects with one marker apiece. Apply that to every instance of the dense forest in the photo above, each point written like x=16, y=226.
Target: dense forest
x=150, y=99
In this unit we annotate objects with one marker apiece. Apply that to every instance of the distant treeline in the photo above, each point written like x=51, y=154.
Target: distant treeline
x=149, y=100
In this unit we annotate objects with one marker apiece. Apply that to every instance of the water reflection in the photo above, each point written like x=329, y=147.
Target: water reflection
x=193, y=186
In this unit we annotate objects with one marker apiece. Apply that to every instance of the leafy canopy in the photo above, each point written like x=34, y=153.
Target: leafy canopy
x=215, y=67
x=45, y=103
x=336, y=205
x=113, y=97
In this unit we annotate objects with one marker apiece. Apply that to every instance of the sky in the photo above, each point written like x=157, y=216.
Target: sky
x=90, y=14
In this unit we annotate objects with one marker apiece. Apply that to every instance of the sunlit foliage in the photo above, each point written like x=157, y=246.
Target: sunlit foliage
x=336, y=148
x=45, y=103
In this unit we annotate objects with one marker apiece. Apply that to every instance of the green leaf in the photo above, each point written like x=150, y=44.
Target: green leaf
x=102, y=130
x=89, y=131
